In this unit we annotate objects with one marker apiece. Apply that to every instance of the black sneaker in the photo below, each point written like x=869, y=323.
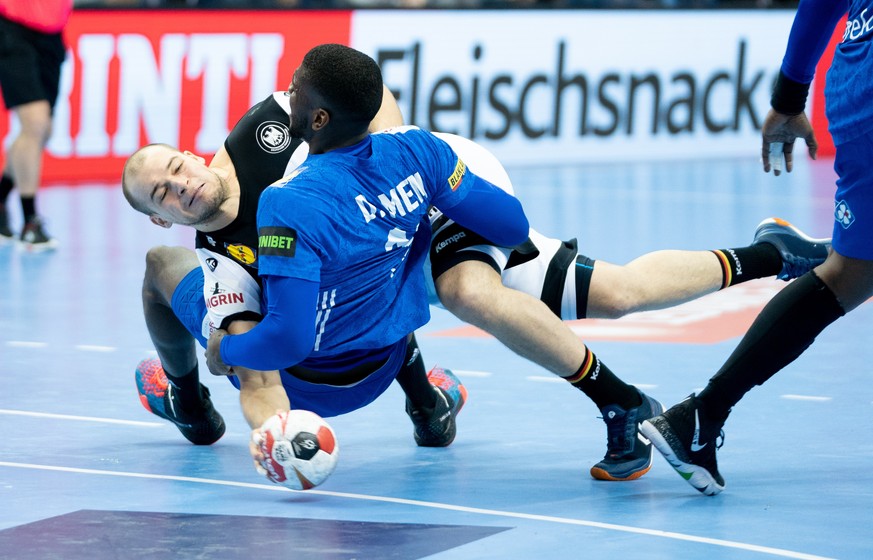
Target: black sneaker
x=686, y=437
x=438, y=428
x=628, y=453
x=204, y=426
x=34, y=238
x=800, y=252
x=5, y=233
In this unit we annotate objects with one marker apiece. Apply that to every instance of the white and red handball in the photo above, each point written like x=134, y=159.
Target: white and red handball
x=300, y=449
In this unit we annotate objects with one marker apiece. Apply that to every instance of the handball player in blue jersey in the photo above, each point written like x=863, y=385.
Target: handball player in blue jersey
x=342, y=241
x=518, y=295
x=686, y=434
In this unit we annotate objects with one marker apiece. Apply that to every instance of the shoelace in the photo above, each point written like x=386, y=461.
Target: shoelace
x=616, y=434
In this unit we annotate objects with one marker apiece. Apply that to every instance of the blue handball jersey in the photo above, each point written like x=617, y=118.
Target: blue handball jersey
x=849, y=85
x=355, y=221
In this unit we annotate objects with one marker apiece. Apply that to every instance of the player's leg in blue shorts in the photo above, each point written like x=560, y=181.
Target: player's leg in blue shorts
x=189, y=306
x=853, y=201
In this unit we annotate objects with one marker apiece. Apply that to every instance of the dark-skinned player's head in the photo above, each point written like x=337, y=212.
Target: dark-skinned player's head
x=342, y=82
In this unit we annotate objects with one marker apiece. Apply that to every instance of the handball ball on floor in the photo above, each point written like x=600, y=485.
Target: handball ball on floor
x=300, y=449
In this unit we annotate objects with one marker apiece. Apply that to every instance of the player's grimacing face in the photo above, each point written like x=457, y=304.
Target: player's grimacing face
x=179, y=187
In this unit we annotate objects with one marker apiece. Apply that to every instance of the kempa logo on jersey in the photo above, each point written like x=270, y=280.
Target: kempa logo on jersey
x=677, y=103
x=453, y=239
x=273, y=137
x=277, y=241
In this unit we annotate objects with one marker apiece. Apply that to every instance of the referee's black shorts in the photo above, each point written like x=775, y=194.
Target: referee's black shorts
x=30, y=64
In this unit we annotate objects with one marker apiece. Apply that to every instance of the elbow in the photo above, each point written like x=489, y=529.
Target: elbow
x=515, y=231
x=297, y=349
x=522, y=228
x=289, y=349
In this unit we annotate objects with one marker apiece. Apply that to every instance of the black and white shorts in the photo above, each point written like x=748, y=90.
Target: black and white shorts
x=545, y=268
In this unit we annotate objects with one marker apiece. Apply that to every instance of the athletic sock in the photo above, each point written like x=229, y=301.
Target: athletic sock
x=412, y=378
x=188, y=388
x=601, y=385
x=748, y=263
x=6, y=186
x=28, y=207
x=782, y=331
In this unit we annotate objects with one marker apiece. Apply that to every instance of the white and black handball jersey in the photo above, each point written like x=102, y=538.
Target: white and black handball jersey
x=259, y=147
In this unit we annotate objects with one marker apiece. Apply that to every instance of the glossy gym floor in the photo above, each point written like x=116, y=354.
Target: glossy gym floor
x=87, y=473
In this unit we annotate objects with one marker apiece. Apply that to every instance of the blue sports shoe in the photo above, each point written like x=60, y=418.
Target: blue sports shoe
x=203, y=426
x=438, y=428
x=800, y=253
x=628, y=453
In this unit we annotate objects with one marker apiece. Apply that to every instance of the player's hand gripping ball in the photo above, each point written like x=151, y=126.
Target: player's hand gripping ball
x=300, y=449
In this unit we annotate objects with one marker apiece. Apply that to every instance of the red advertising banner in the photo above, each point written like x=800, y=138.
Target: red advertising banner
x=180, y=77
x=819, y=120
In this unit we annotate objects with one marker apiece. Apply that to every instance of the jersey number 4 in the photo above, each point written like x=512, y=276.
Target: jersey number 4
x=397, y=239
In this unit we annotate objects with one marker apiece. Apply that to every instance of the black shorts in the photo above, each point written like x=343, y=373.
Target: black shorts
x=30, y=64
x=448, y=244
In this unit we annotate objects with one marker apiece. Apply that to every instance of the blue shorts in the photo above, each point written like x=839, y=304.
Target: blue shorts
x=189, y=306
x=325, y=400
x=853, y=201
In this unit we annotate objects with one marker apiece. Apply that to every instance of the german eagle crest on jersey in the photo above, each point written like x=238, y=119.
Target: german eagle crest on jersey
x=273, y=136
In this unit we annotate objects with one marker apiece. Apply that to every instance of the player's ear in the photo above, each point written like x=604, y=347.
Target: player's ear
x=320, y=119
x=158, y=221
x=195, y=156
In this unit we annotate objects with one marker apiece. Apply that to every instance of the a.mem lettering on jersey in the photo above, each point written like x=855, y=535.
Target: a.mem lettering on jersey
x=399, y=200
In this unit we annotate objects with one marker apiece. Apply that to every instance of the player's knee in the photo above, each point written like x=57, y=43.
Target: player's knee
x=161, y=262
x=37, y=128
x=157, y=259
x=850, y=280
x=462, y=294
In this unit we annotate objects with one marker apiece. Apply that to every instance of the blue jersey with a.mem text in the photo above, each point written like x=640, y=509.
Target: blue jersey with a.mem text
x=354, y=220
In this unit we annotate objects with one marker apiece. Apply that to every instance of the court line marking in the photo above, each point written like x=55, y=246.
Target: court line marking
x=95, y=348
x=81, y=418
x=437, y=505
x=806, y=398
x=472, y=373
x=544, y=379
x=26, y=344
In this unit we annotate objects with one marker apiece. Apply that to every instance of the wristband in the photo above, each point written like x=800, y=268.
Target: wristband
x=789, y=96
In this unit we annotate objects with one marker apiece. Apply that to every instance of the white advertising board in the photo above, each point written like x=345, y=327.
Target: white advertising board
x=568, y=86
